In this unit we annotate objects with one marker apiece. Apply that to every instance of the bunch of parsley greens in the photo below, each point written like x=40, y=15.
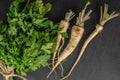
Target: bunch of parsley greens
x=28, y=39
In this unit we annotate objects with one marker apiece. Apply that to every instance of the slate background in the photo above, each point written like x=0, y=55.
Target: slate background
x=101, y=60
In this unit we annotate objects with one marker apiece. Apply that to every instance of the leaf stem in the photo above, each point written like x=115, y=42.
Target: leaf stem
x=105, y=16
x=28, y=1
x=83, y=16
x=69, y=15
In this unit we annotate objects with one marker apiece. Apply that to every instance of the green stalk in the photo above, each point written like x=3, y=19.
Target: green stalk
x=26, y=5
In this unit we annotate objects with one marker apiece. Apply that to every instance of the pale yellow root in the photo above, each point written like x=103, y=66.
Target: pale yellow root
x=58, y=55
x=15, y=75
x=80, y=21
x=8, y=77
x=64, y=24
x=74, y=40
x=104, y=18
x=76, y=34
x=8, y=72
x=62, y=69
x=57, y=46
x=63, y=41
x=54, y=71
x=99, y=28
x=58, y=62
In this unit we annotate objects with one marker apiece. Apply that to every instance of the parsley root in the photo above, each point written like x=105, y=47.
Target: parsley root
x=76, y=35
x=8, y=72
x=64, y=24
x=105, y=17
x=76, y=38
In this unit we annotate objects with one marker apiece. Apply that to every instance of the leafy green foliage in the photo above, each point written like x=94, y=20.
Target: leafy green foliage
x=29, y=38
x=64, y=34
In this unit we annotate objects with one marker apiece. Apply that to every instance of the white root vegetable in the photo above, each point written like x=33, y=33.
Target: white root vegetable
x=76, y=35
x=81, y=19
x=64, y=24
x=8, y=72
x=105, y=17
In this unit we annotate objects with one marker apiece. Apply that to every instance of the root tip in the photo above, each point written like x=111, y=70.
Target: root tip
x=49, y=74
